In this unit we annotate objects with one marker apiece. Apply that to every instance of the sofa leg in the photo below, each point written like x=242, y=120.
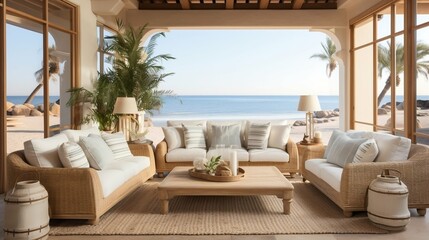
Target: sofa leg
x=421, y=211
x=303, y=179
x=347, y=213
x=94, y=221
x=161, y=174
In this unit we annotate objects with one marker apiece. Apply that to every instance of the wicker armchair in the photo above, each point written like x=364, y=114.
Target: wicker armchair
x=76, y=193
x=356, y=178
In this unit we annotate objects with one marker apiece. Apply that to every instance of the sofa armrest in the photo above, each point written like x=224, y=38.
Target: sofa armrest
x=292, y=150
x=356, y=178
x=160, y=155
x=72, y=191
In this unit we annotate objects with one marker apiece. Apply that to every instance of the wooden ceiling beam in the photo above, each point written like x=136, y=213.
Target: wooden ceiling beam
x=263, y=4
x=297, y=4
x=185, y=4
x=229, y=4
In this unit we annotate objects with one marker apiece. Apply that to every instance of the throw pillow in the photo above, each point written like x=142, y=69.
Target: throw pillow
x=96, y=151
x=44, y=152
x=72, y=155
x=117, y=144
x=279, y=136
x=366, y=152
x=257, y=137
x=343, y=150
x=332, y=139
x=174, y=137
x=391, y=147
x=229, y=135
x=194, y=136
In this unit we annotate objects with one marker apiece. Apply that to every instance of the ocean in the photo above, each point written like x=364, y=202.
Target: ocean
x=36, y=101
x=234, y=107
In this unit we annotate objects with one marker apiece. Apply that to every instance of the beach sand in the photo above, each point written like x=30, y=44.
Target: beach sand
x=27, y=128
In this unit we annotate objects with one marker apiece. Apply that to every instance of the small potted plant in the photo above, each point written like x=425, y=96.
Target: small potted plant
x=212, y=164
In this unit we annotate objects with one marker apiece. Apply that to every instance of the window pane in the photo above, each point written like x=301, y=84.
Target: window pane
x=60, y=79
x=363, y=127
x=24, y=80
x=60, y=14
x=399, y=17
x=383, y=23
x=364, y=32
x=364, y=85
x=423, y=140
x=108, y=63
x=34, y=8
x=422, y=84
x=384, y=79
x=399, y=90
x=422, y=11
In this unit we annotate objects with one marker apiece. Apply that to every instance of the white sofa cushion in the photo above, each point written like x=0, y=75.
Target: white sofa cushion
x=72, y=155
x=74, y=135
x=185, y=154
x=367, y=151
x=118, y=172
x=268, y=155
x=44, y=152
x=273, y=122
x=331, y=174
x=118, y=144
x=228, y=135
x=328, y=172
x=194, y=136
x=242, y=154
x=96, y=151
x=174, y=137
x=279, y=136
x=257, y=135
x=343, y=150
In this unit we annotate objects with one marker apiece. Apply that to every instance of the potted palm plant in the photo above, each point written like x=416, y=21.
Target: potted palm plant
x=137, y=72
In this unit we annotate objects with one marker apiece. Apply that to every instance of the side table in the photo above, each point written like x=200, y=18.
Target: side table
x=143, y=149
x=309, y=151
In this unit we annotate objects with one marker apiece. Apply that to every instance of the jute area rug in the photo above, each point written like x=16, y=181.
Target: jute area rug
x=138, y=214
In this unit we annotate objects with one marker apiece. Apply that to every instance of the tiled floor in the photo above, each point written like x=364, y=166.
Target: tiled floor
x=418, y=229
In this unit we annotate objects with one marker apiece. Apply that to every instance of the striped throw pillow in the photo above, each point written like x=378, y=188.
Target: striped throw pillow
x=194, y=137
x=72, y=155
x=117, y=144
x=257, y=136
x=367, y=152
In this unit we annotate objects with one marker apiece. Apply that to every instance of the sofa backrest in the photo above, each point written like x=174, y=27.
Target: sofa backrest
x=415, y=148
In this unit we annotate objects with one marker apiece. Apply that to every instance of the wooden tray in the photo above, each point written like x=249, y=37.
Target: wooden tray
x=206, y=176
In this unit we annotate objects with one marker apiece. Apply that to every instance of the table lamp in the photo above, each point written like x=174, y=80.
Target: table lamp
x=309, y=104
x=125, y=106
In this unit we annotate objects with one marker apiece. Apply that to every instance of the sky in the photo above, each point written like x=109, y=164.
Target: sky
x=246, y=62
x=211, y=62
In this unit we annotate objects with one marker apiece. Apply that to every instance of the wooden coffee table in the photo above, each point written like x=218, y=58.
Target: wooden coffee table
x=257, y=181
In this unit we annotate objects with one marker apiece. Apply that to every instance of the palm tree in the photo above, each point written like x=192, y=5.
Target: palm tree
x=137, y=72
x=54, y=69
x=329, y=50
x=384, y=60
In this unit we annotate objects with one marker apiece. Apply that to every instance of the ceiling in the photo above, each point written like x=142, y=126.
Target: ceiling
x=236, y=4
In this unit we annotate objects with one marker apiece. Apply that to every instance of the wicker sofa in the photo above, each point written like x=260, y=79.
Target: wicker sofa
x=79, y=193
x=355, y=178
x=185, y=157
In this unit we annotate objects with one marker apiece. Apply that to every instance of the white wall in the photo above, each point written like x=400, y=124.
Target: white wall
x=88, y=43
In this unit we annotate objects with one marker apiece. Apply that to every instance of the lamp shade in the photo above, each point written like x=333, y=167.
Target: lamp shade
x=308, y=103
x=125, y=105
